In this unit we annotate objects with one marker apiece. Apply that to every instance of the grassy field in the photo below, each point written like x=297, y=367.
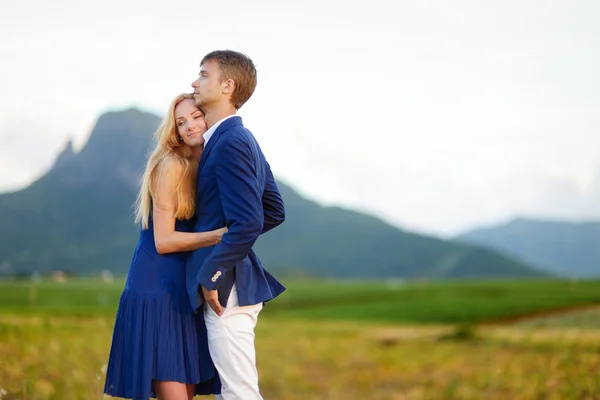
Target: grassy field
x=338, y=341
x=587, y=318
x=415, y=302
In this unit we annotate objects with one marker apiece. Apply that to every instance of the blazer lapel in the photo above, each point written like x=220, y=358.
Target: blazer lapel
x=225, y=125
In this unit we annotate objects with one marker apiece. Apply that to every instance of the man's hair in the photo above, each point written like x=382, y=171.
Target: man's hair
x=238, y=67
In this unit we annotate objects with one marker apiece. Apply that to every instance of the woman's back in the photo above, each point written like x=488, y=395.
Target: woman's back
x=150, y=271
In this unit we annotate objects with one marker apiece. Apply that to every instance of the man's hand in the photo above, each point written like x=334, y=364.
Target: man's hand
x=212, y=299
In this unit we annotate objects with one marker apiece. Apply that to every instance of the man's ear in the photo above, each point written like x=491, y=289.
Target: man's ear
x=229, y=86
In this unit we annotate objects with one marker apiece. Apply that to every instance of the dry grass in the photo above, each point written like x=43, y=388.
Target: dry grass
x=63, y=358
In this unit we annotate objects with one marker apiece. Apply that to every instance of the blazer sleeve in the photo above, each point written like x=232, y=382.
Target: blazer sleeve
x=242, y=206
x=274, y=210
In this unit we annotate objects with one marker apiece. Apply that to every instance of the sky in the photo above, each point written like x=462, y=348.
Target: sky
x=437, y=116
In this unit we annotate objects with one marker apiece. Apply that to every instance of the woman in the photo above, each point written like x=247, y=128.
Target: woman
x=159, y=345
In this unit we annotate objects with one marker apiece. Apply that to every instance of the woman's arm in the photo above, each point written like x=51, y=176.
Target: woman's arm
x=166, y=238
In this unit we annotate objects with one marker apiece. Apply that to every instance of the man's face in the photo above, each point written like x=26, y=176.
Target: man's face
x=208, y=88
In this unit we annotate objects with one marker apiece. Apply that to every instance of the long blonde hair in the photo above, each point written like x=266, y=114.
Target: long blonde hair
x=169, y=146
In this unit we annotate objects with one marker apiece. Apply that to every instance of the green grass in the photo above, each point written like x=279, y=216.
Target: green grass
x=83, y=297
x=412, y=302
x=52, y=358
x=436, y=302
x=334, y=340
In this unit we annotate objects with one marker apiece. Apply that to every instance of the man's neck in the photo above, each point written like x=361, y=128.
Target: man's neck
x=212, y=115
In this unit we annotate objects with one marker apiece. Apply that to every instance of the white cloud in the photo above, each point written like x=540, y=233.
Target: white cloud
x=438, y=115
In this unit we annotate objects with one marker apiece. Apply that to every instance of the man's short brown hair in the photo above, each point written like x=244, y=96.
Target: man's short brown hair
x=238, y=67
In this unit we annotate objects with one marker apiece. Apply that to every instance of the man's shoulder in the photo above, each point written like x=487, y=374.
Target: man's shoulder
x=231, y=142
x=237, y=134
x=238, y=128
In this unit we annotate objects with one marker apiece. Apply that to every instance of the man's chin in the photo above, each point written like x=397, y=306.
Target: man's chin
x=199, y=102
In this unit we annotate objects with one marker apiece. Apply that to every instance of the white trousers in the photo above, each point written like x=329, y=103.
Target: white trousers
x=231, y=345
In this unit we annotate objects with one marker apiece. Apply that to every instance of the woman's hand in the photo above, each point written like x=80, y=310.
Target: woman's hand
x=219, y=234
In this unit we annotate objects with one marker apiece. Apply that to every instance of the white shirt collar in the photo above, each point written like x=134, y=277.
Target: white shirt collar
x=208, y=134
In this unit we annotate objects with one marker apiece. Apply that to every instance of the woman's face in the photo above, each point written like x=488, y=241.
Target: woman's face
x=190, y=123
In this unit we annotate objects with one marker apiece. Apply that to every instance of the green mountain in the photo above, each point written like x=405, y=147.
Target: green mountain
x=79, y=218
x=561, y=248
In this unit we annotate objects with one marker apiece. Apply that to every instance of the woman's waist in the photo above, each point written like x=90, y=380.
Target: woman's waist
x=152, y=271
x=145, y=253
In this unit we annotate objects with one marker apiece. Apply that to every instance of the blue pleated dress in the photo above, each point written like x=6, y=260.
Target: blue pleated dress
x=157, y=335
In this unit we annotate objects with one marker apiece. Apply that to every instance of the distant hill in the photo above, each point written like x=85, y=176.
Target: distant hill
x=78, y=217
x=562, y=248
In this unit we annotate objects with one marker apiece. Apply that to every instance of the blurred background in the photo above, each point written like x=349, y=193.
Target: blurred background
x=438, y=159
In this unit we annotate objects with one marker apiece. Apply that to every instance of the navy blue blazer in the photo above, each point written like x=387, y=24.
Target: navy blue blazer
x=236, y=188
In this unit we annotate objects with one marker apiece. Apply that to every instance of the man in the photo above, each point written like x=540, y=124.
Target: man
x=236, y=188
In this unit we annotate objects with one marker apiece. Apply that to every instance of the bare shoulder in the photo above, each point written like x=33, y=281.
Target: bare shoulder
x=170, y=165
x=168, y=175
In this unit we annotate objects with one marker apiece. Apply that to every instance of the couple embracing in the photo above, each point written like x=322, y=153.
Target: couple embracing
x=186, y=318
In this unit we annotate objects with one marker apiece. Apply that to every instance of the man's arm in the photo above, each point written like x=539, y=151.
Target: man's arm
x=274, y=211
x=242, y=206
